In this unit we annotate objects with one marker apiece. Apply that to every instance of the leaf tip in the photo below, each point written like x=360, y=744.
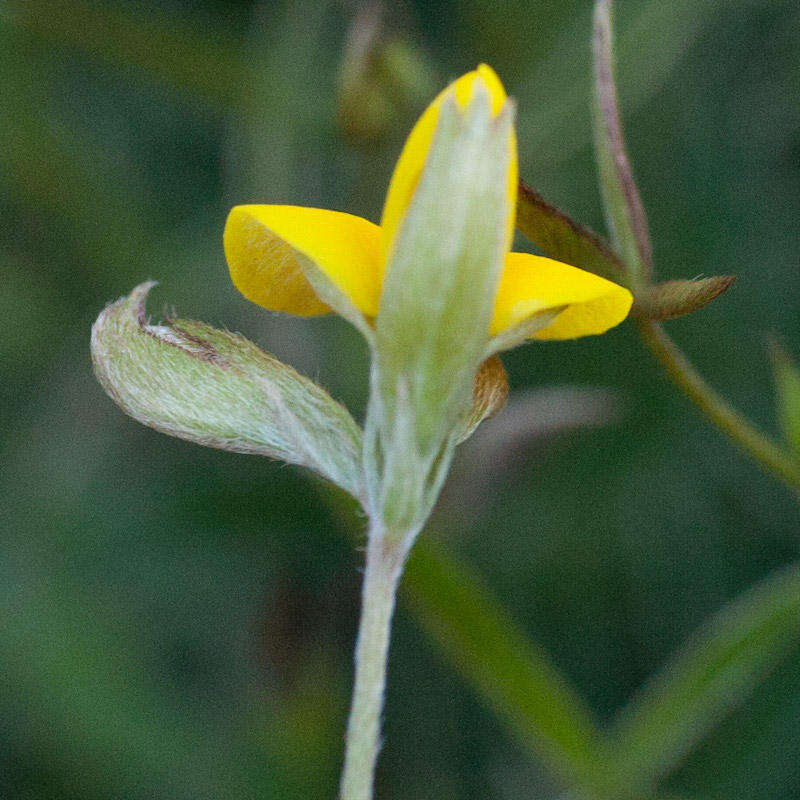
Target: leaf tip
x=671, y=299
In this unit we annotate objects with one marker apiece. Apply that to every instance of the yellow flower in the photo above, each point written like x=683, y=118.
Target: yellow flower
x=264, y=245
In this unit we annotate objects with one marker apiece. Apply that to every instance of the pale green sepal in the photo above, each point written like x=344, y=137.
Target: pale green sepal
x=419, y=476
x=437, y=302
x=517, y=334
x=331, y=295
x=402, y=482
x=215, y=388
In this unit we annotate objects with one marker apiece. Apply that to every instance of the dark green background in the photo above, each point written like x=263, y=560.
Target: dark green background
x=177, y=622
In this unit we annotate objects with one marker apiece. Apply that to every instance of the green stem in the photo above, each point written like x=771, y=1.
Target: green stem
x=680, y=370
x=384, y=565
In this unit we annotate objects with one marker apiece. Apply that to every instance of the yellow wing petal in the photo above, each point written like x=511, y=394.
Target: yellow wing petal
x=412, y=158
x=532, y=283
x=263, y=244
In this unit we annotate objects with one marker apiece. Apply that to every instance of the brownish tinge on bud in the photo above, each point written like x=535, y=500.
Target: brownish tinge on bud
x=489, y=395
x=677, y=298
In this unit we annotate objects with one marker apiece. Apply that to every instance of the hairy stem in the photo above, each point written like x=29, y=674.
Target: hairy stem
x=384, y=565
x=683, y=373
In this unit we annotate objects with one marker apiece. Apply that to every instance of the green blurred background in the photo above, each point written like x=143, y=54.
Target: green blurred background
x=178, y=622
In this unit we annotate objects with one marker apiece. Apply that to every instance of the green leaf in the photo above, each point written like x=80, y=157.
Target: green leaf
x=787, y=395
x=513, y=675
x=563, y=239
x=676, y=298
x=623, y=206
x=215, y=388
x=705, y=680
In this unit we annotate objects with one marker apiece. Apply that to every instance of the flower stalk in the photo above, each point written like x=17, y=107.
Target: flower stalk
x=384, y=566
x=625, y=214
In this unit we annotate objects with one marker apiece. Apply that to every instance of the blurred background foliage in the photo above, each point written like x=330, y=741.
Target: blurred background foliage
x=179, y=622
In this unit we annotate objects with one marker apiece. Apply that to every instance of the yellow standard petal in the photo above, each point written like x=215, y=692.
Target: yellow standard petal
x=264, y=246
x=412, y=159
x=530, y=284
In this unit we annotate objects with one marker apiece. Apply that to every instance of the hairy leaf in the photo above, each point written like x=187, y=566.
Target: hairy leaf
x=215, y=388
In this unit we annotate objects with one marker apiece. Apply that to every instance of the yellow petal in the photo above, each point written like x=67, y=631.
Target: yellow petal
x=412, y=159
x=530, y=284
x=263, y=245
